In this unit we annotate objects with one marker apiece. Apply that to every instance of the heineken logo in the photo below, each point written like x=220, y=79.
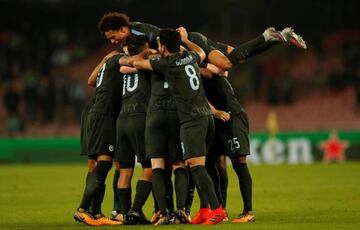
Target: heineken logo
x=298, y=150
x=276, y=151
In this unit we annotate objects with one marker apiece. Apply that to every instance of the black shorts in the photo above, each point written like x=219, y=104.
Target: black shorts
x=222, y=47
x=196, y=136
x=202, y=41
x=231, y=138
x=98, y=134
x=162, y=136
x=130, y=141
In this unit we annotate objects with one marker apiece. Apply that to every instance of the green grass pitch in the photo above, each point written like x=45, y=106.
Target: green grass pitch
x=285, y=197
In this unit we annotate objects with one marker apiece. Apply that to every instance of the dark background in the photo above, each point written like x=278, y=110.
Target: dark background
x=49, y=47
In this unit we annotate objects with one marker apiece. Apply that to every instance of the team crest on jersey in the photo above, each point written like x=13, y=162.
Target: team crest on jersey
x=111, y=148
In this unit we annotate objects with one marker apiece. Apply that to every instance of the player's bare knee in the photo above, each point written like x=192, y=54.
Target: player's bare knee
x=195, y=161
x=158, y=163
x=146, y=174
x=104, y=157
x=125, y=177
x=240, y=159
x=222, y=161
x=117, y=166
x=91, y=165
x=126, y=174
x=178, y=164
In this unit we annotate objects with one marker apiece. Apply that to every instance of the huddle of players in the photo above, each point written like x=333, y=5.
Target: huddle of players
x=157, y=109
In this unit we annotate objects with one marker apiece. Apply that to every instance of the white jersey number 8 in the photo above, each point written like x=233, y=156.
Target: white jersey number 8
x=193, y=78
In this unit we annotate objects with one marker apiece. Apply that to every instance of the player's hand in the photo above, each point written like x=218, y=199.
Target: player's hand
x=205, y=73
x=183, y=33
x=111, y=54
x=222, y=115
x=214, y=69
x=225, y=74
x=153, y=51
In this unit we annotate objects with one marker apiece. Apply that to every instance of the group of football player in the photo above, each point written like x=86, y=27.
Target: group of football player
x=163, y=98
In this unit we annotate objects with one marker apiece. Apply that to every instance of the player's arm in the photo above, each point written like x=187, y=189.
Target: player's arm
x=127, y=60
x=141, y=62
x=94, y=73
x=216, y=70
x=208, y=70
x=127, y=70
x=219, y=114
x=192, y=46
x=205, y=73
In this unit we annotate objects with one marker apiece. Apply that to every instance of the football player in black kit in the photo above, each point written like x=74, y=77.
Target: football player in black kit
x=181, y=70
x=98, y=138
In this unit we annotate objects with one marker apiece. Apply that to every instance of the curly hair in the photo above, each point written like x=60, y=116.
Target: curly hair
x=113, y=21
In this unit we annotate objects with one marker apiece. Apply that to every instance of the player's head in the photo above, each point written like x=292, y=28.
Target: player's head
x=137, y=44
x=169, y=40
x=115, y=27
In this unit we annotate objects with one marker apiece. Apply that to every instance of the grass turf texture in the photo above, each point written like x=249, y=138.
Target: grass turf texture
x=285, y=197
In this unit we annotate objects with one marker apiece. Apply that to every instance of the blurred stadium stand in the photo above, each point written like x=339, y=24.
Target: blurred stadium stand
x=49, y=47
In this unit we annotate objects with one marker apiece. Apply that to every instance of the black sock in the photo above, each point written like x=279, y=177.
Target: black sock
x=190, y=193
x=224, y=181
x=215, y=177
x=115, y=182
x=245, y=50
x=124, y=195
x=156, y=205
x=87, y=180
x=95, y=181
x=143, y=189
x=181, y=187
x=87, y=177
x=262, y=48
x=245, y=182
x=169, y=189
x=159, y=189
x=98, y=199
x=204, y=185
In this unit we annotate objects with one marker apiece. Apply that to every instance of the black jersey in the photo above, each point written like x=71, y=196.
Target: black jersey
x=182, y=73
x=135, y=93
x=89, y=104
x=200, y=40
x=207, y=44
x=161, y=99
x=150, y=31
x=221, y=95
x=107, y=97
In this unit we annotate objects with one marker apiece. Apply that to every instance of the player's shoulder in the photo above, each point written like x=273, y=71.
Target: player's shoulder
x=196, y=36
x=189, y=56
x=181, y=58
x=113, y=62
x=141, y=28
